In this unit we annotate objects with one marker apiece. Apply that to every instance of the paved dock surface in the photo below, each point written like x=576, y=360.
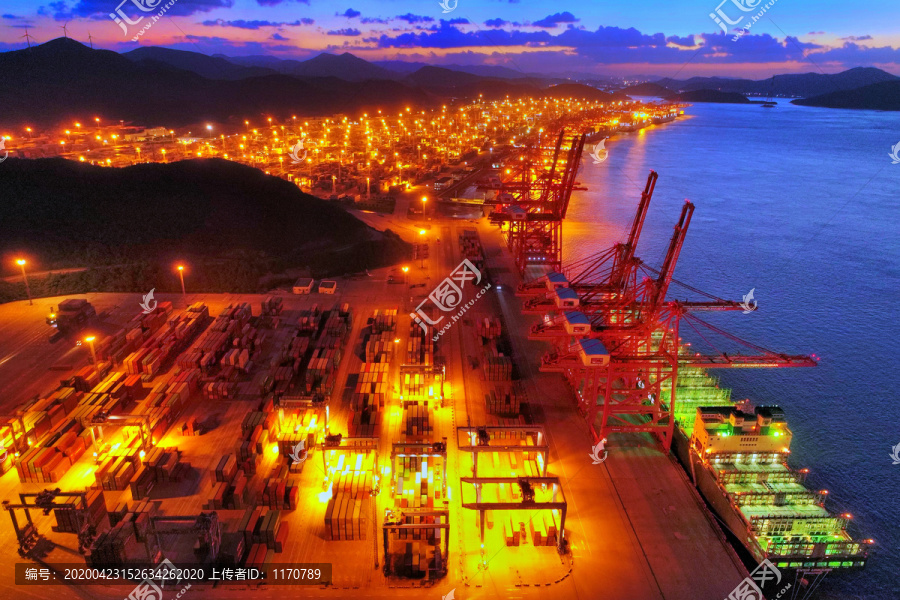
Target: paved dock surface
x=636, y=528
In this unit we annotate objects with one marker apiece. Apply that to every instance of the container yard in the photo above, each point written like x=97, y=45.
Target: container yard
x=257, y=431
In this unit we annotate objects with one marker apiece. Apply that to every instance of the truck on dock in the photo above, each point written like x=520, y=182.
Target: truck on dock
x=72, y=315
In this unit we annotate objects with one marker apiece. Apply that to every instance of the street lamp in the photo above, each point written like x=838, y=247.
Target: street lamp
x=424, y=200
x=181, y=276
x=422, y=251
x=21, y=263
x=405, y=270
x=90, y=340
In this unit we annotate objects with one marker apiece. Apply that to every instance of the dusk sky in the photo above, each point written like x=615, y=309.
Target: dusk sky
x=649, y=37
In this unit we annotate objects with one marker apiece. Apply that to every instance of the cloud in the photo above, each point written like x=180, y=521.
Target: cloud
x=23, y=22
x=255, y=25
x=459, y=21
x=614, y=45
x=349, y=13
x=230, y=47
x=413, y=19
x=448, y=36
x=608, y=37
x=58, y=10
x=101, y=8
x=816, y=33
x=856, y=38
x=278, y=37
x=496, y=22
x=277, y=2
x=681, y=41
x=378, y=20
x=240, y=24
x=762, y=48
x=555, y=19
x=347, y=31
x=854, y=55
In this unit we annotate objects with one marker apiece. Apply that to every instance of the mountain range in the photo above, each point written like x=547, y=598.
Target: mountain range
x=160, y=86
x=788, y=86
x=153, y=91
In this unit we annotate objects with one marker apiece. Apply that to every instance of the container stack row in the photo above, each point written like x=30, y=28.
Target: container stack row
x=488, y=327
x=505, y=400
x=264, y=535
x=384, y=320
x=125, y=542
x=497, y=368
x=348, y=511
x=373, y=388
x=470, y=248
x=417, y=421
x=380, y=347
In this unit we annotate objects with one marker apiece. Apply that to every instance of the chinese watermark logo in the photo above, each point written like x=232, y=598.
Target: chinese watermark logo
x=6, y=153
x=722, y=20
x=295, y=151
x=751, y=587
x=448, y=295
x=298, y=451
x=146, y=590
x=445, y=4
x=149, y=590
x=450, y=596
x=149, y=304
x=749, y=304
x=895, y=153
x=596, y=450
x=146, y=6
x=600, y=152
x=896, y=455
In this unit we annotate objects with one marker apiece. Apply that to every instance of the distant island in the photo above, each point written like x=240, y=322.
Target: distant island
x=878, y=96
x=788, y=85
x=649, y=89
x=232, y=223
x=711, y=96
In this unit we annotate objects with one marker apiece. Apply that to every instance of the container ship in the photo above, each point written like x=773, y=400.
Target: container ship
x=737, y=456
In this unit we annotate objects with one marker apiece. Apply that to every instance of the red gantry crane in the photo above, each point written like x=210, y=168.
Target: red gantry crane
x=531, y=206
x=610, y=273
x=618, y=343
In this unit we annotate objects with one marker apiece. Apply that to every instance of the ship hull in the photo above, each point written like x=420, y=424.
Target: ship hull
x=706, y=483
x=735, y=527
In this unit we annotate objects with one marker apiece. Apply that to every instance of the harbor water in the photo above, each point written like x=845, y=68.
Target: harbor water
x=801, y=205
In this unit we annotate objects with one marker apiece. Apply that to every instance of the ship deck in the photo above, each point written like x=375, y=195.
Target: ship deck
x=793, y=511
x=765, y=488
